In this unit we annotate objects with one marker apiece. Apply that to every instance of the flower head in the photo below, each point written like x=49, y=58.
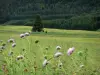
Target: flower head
x=2, y=48
x=60, y=65
x=22, y=35
x=10, y=53
x=57, y=54
x=19, y=57
x=81, y=66
x=70, y=51
x=26, y=34
x=45, y=62
x=11, y=40
x=14, y=44
x=58, y=48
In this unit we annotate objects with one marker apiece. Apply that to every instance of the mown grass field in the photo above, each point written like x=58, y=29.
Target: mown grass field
x=88, y=42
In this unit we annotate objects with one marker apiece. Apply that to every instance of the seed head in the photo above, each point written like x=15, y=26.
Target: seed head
x=81, y=66
x=14, y=44
x=57, y=54
x=60, y=65
x=58, y=48
x=45, y=62
x=10, y=53
x=19, y=57
x=22, y=35
x=26, y=34
x=11, y=40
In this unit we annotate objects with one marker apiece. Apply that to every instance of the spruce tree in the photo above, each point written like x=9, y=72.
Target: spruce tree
x=38, y=25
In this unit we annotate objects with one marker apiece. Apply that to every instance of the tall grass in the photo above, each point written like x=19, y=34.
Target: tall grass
x=40, y=46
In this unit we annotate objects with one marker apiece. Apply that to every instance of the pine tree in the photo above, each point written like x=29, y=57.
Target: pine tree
x=38, y=25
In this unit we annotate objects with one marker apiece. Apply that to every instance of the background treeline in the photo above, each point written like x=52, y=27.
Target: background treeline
x=63, y=14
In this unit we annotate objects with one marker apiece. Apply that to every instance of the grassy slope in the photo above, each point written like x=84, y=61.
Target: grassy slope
x=65, y=38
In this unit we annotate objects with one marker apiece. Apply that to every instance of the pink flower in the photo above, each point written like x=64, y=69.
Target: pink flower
x=70, y=51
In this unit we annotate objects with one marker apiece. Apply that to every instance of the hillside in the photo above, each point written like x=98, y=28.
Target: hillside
x=22, y=12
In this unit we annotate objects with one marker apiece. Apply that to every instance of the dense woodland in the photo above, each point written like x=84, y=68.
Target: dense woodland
x=62, y=14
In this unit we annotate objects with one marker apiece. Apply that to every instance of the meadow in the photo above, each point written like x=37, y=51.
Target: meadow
x=85, y=60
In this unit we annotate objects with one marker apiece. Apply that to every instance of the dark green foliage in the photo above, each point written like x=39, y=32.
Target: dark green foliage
x=38, y=25
x=62, y=14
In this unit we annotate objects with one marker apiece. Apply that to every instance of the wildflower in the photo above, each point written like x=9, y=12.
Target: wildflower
x=81, y=66
x=2, y=47
x=45, y=62
x=11, y=40
x=58, y=48
x=10, y=53
x=22, y=35
x=19, y=57
x=57, y=54
x=70, y=51
x=60, y=65
x=26, y=34
x=14, y=44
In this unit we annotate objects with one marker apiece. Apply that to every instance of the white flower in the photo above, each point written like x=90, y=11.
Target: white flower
x=81, y=66
x=22, y=35
x=14, y=44
x=70, y=51
x=11, y=40
x=57, y=54
x=2, y=48
x=58, y=48
x=19, y=57
x=26, y=34
x=45, y=62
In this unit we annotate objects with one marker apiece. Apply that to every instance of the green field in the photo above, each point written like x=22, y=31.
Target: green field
x=86, y=42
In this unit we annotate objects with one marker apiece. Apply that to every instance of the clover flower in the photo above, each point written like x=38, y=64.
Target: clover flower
x=70, y=51
x=57, y=54
x=45, y=62
x=58, y=47
x=19, y=57
x=11, y=40
x=22, y=35
x=14, y=44
x=26, y=34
